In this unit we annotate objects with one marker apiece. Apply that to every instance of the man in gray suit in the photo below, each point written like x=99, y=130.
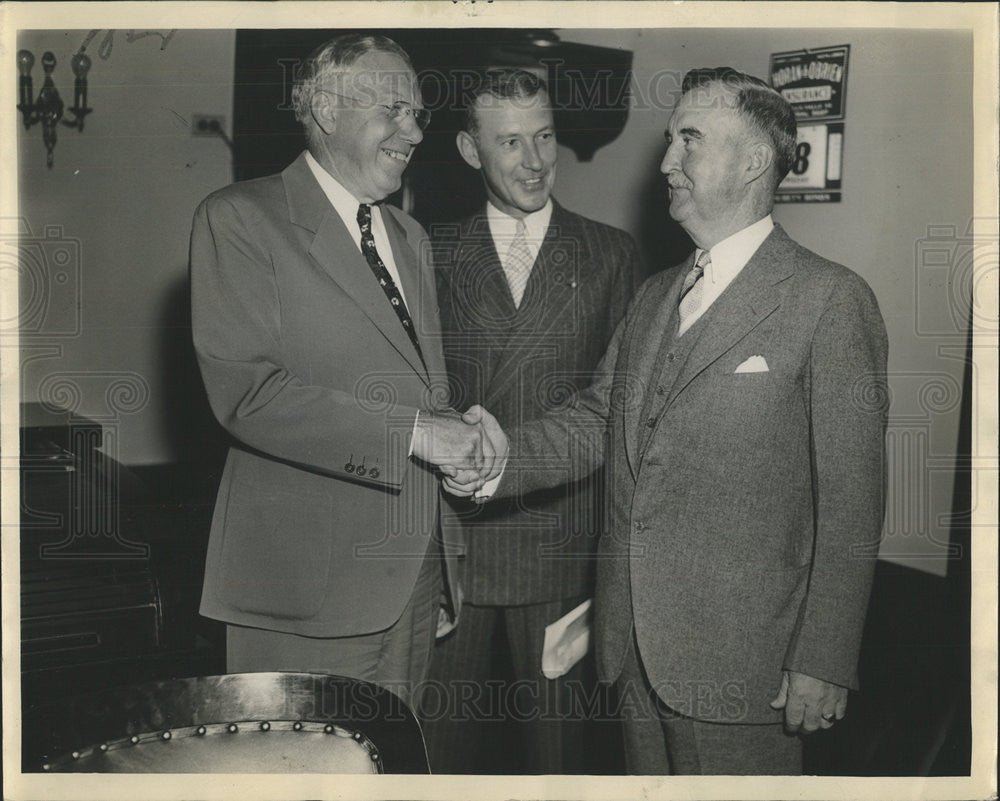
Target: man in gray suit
x=315, y=325
x=745, y=398
x=530, y=295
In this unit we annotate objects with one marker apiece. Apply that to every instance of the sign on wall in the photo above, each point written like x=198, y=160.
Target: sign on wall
x=815, y=173
x=814, y=82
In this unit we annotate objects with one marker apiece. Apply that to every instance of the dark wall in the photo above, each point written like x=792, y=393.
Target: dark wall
x=589, y=86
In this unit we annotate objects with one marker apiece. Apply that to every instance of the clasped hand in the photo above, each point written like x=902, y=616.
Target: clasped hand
x=469, y=449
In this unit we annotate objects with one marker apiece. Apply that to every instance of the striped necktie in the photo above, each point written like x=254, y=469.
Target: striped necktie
x=691, y=289
x=517, y=265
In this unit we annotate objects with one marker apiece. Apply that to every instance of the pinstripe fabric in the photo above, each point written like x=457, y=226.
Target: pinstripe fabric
x=528, y=560
x=467, y=711
x=520, y=362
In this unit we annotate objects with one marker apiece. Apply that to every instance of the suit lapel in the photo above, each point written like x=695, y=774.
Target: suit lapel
x=419, y=292
x=750, y=298
x=482, y=305
x=334, y=250
x=484, y=284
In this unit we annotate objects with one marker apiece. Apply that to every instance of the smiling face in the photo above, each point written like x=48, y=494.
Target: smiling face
x=707, y=164
x=365, y=147
x=515, y=148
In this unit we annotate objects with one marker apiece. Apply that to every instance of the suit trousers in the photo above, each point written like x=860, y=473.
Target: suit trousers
x=468, y=713
x=660, y=741
x=396, y=658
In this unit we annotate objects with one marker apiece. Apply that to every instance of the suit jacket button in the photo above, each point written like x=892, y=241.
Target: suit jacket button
x=670, y=357
x=651, y=422
x=361, y=471
x=661, y=390
x=373, y=473
x=640, y=526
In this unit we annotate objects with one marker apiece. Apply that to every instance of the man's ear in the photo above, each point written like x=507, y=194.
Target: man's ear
x=468, y=149
x=322, y=112
x=761, y=157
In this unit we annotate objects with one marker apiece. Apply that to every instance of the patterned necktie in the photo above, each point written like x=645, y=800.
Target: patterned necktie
x=517, y=265
x=691, y=289
x=382, y=274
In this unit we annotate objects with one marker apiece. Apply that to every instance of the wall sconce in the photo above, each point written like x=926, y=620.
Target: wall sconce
x=48, y=107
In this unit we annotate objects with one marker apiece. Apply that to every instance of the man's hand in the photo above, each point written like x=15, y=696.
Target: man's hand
x=445, y=440
x=809, y=703
x=477, y=414
x=464, y=483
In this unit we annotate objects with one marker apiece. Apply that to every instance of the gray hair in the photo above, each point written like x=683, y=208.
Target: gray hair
x=339, y=52
x=763, y=109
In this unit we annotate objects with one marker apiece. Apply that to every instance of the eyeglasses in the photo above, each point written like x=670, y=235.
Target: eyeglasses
x=398, y=111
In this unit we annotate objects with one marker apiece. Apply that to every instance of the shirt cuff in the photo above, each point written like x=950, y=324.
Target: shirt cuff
x=413, y=433
x=485, y=492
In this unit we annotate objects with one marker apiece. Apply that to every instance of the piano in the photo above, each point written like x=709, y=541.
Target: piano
x=111, y=564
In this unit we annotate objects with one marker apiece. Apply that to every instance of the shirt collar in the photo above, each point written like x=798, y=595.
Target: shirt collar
x=343, y=202
x=732, y=254
x=503, y=226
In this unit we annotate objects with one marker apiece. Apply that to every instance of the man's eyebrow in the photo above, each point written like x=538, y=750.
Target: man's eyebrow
x=694, y=133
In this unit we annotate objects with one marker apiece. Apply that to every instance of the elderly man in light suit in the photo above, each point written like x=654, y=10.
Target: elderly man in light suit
x=315, y=325
x=745, y=398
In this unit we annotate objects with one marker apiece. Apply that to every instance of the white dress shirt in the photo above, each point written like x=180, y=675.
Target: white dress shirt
x=728, y=257
x=346, y=205
x=503, y=227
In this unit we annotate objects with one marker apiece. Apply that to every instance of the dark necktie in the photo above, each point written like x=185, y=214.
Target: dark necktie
x=382, y=274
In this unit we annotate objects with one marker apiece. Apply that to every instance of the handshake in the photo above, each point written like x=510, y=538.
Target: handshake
x=469, y=449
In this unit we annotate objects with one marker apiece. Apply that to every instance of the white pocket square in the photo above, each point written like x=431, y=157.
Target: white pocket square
x=755, y=364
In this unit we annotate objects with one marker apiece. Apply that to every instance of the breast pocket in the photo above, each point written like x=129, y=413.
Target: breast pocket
x=752, y=405
x=736, y=390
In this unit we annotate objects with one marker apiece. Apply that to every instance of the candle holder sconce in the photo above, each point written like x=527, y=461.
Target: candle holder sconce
x=48, y=107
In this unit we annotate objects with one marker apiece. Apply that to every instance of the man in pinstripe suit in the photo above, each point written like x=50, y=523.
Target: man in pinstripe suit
x=530, y=295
